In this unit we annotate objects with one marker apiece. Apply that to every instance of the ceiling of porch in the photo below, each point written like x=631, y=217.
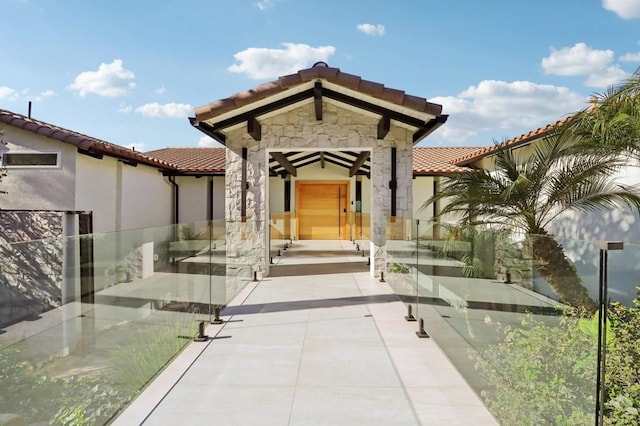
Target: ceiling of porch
x=287, y=163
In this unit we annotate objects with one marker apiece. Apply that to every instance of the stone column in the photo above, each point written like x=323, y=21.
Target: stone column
x=380, y=206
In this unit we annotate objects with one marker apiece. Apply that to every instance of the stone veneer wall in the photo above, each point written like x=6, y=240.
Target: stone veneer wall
x=31, y=268
x=340, y=129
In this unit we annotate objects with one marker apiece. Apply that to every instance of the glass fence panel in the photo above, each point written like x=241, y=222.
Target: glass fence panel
x=282, y=232
x=621, y=402
x=86, y=322
x=402, y=261
x=361, y=226
x=513, y=313
x=623, y=274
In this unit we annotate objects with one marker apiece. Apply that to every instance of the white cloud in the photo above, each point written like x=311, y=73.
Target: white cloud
x=125, y=108
x=608, y=77
x=7, y=93
x=139, y=146
x=500, y=105
x=626, y=9
x=109, y=80
x=160, y=90
x=630, y=57
x=262, y=63
x=207, y=142
x=371, y=29
x=583, y=60
x=577, y=60
x=170, y=110
x=263, y=4
x=43, y=95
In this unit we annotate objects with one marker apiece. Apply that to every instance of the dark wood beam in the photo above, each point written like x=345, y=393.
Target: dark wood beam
x=338, y=157
x=287, y=194
x=364, y=156
x=306, y=163
x=377, y=109
x=129, y=162
x=243, y=189
x=296, y=161
x=254, y=128
x=393, y=183
x=284, y=162
x=317, y=99
x=264, y=109
x=384, y=125
x=90, y=153
x=322, y=160
x=430, y=127
x=208, y=130
x=424, y=128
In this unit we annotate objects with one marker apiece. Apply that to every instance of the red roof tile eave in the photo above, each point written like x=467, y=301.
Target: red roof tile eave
x=84, y=142
x=332, y=75
x=511, y=143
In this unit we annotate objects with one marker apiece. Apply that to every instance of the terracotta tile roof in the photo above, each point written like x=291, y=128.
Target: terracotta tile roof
x=84, y=142
x=322, y=71
x=511, y=143
x=193, y=160
x=440, y=160
x=426, y=161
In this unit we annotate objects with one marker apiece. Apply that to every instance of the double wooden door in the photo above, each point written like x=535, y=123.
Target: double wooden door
x=322, y=210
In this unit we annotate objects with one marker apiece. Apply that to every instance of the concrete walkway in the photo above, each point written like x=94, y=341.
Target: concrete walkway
x=318, y=342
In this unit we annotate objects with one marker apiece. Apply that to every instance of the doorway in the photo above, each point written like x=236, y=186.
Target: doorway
x=322, y=208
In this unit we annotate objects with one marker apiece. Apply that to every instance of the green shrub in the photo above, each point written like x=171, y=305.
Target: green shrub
x=545, y=373
x=91, y=400
x=541, y=374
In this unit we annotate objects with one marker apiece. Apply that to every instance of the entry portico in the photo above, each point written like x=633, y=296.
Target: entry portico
x=316, y=115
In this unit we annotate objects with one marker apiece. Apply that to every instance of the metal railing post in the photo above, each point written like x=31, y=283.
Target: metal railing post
x=603, y=247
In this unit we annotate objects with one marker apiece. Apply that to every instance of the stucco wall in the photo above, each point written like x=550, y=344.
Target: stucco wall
x=146, y=198
x=122, y=196
x=97, y=190
x=38, y=188
x=218, y=197
x=193, y=199
x=422, y=191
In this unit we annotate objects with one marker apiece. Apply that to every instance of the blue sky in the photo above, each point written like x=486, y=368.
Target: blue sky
x=131, y=72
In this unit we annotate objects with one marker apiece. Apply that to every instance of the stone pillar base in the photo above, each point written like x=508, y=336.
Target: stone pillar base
x=378, y=259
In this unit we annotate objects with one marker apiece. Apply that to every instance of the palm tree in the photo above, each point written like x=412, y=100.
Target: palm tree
x=613, y=119
x=525, y=192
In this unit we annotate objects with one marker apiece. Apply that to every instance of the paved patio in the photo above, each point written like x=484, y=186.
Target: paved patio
x=318, y=342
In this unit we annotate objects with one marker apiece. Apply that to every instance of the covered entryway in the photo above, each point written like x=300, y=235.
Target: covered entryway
x=317, y=115
x=322, y=210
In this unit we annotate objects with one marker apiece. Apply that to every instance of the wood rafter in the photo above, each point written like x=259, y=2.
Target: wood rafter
x=384, y=125
x=285, y=163
x=264, y=109
x=364, y=156
x=317, y=92
x=208, y=130
x=335, y=156
x=254, y=128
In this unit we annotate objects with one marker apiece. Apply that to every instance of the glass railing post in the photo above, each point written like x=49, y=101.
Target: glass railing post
x=604, y=247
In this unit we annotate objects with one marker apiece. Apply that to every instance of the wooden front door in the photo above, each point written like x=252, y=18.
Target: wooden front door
x=322, y=210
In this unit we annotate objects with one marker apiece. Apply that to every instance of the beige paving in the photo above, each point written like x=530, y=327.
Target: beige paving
x=318, y=342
